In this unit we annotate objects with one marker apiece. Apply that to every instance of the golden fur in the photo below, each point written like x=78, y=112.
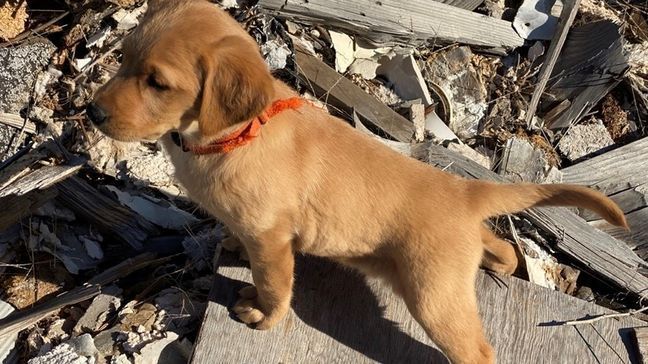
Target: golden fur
x=311, y=183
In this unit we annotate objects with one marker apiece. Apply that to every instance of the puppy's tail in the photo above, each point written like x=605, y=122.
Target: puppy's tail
x=496, y=199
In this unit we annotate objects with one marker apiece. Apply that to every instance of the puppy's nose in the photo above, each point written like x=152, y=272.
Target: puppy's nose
x=96, y=114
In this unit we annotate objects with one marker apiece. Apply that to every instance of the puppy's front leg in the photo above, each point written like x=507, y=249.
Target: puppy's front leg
x=272, y=263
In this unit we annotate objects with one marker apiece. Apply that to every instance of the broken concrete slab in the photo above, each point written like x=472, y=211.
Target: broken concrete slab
x=276, y=54
x=62, y=354
x=19, y=68
x=83, y=345
x=168, y=350
x=102, y=305
x=453, y=72
x=584, y=139
x=105, y=341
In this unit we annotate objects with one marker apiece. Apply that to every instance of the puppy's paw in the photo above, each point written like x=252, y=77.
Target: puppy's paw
x=249, y=310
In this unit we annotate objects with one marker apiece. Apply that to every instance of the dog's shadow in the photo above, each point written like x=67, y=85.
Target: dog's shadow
x=338, y=302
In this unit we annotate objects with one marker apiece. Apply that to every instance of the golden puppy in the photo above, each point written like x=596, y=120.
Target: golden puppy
x=287, y=177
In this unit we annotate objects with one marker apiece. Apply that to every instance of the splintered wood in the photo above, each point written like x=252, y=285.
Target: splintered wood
x=388, y=21
x=622, y=174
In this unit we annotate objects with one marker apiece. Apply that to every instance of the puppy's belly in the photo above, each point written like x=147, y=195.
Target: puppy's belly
x=332, y=238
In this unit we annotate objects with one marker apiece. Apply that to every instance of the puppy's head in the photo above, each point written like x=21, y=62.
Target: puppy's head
x=188, y=63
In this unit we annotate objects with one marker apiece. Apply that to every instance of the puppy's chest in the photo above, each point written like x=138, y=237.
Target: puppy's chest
x=217, y=188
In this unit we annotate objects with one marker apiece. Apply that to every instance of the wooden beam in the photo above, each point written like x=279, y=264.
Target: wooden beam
x=405, y=22
x=336, y=90
x=567, y=16
x=622, y=174
x=337, y=317
x=29, y=190
x=614, y=170
x=105, y=213
x=18, y=122
x=597, y=253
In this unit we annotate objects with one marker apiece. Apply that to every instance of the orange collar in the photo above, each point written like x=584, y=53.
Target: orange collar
x=242, y=135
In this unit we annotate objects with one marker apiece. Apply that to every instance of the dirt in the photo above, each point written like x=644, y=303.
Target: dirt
x=13, y=15
x=22, y=290
x=615, y=118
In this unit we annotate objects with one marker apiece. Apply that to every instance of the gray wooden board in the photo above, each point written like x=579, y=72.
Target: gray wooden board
x=405, y=22
x=570, y=8
x=22, y=195
x=591, y=65
x=105, y=213
x=340, y=92
x=622, y=174
x=614, y=170
x=641, y=337
x=339, y=318
x=596, y=252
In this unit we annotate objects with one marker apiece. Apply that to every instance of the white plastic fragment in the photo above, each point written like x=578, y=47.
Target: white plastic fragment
x=534, y=21
x=404, y=73
x=438, y=128
x=343, y=45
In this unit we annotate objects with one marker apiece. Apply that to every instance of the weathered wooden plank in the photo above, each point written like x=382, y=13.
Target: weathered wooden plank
x=641, y=341
x=105, y=213
x=338, y=318
x=405, y=22
x=596, y=252
x=622, y=174
x=18, y=122
x=463, y=4
x=591, y=65
x=570, y=8
x=29, y=191
x=340, y=92
x=626, y=166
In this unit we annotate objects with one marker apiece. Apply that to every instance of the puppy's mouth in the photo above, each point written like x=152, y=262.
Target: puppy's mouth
x=126, y=136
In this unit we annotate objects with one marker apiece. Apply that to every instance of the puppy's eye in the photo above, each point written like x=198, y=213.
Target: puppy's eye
x=154, y=82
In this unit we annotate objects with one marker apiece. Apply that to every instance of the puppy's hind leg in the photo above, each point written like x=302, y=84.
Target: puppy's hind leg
x=233, y=244
x=499, y=256
x=440, y=295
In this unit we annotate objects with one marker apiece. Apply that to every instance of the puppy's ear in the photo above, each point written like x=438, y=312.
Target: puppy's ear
x=237, y=84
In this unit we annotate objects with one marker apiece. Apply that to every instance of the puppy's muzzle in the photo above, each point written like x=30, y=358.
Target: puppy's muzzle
x=96, y=114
